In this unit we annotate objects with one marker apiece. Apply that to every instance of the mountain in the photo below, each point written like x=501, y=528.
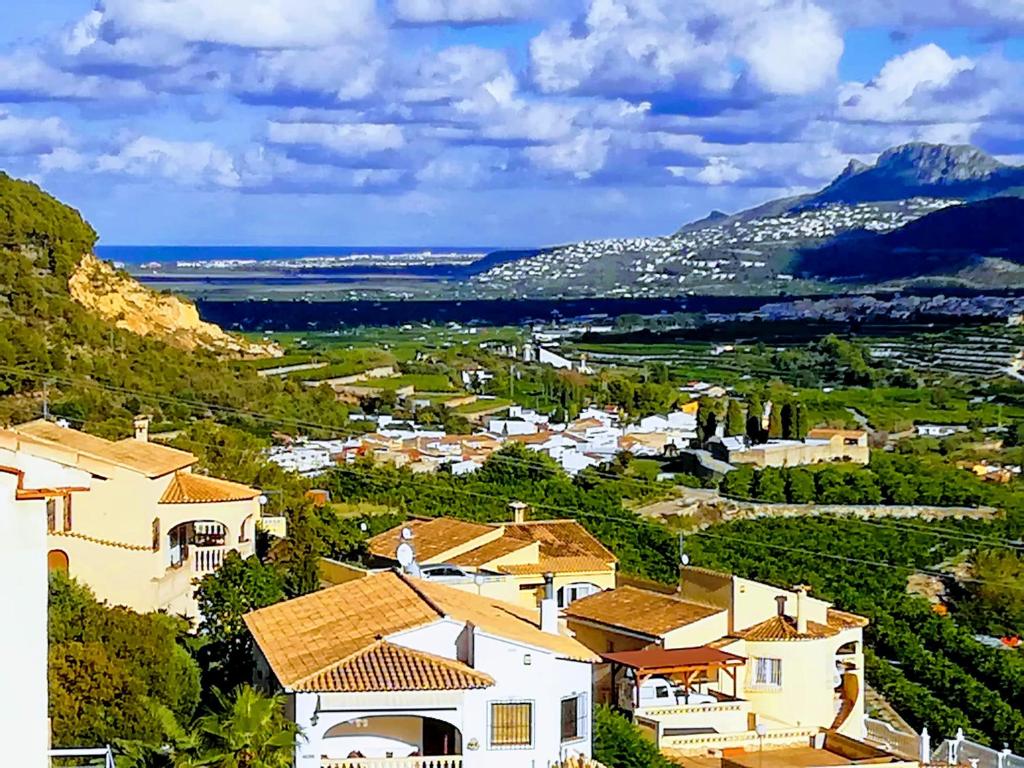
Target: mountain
x=940, y=243
x=784, y=245
x=921, y=170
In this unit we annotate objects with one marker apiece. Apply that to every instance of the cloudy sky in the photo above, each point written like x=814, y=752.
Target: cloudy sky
x=481, y=122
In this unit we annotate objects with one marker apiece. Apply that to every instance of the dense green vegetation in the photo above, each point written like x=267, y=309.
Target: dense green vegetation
x=618, y=743
x=100, y=377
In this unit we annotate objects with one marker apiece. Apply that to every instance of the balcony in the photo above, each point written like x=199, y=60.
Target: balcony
x=723, y=716
x=703, y=743
x=446, y=761
x=206, y=560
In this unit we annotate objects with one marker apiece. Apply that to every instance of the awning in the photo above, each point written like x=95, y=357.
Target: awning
x=656, y=661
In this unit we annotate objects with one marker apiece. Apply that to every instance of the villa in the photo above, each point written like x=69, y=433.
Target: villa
x=510, y=559
x=148, y=527
x=391, y=671
x=725, y=663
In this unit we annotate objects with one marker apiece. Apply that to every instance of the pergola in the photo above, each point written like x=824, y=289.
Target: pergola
x=684, y=665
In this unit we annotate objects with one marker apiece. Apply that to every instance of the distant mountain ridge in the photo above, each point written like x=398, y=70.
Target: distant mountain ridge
x=921, y=170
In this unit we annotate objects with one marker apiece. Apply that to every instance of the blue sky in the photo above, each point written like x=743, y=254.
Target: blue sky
x=481, y=122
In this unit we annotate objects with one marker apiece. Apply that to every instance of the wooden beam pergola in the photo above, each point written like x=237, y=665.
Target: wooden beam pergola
x=682, y=664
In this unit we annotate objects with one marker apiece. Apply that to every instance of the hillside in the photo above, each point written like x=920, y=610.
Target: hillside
x=105, y=348
x=941, y=243
x=764, y=250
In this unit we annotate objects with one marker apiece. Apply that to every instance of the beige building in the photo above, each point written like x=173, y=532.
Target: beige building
x=821, y=445
x=148, y=527
x=508, y=560
x=726, y=663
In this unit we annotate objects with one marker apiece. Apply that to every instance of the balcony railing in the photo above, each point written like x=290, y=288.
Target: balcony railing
x=693, y=709
x=447, y=761
x=206, y=559
x=702, y=742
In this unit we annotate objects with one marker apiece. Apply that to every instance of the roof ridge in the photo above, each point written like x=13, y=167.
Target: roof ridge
x=407, y=580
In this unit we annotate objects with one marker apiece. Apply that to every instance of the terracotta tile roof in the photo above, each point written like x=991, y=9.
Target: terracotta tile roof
x=313, y=634
x=639, y=610
x=492, y=550
x=560, y=538
x=187, y=488
x=501, y=619
x=842, y=620
x=781, y=628
x=558, y=565
x=150, y=459
x=432, y=537
x=386, y=667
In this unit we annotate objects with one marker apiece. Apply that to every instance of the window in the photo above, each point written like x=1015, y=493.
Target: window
x=67, y=512
x=511, y=724
x=51, y=515
x=574, y=718
x=768, y=672
x=572, y=592
x=156, y=534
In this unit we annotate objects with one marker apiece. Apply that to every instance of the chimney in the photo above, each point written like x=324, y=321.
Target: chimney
x=549, y=606
x=780, y=601
x=518, y=511
x=801, y=608
x=141, y=424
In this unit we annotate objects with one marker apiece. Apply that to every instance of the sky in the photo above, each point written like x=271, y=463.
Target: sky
x=481, y=122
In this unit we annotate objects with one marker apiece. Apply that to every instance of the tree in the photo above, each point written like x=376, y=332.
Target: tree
x=769, y=485
x=618, y=743
x=775, y=420
x=800, y=486
x=114, y=673
x=739, y=482
x=224, y=597
x=735, y=421
x=250, y=730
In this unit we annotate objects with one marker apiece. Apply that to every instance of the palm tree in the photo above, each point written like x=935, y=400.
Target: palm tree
x=249, y=731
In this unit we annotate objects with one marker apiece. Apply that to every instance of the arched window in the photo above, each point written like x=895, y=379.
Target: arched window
x=243, y=532
x=156, y=534
x=57, y=560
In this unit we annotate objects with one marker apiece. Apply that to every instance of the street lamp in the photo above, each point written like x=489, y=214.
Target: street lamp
x=762, y=731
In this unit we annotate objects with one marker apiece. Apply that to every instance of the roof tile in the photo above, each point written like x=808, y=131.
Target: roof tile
x=639, y=610
x=187, y=488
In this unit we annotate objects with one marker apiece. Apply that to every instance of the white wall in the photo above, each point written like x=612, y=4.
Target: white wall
x=24, y=728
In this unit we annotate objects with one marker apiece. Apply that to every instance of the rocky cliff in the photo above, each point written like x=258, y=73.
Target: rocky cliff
x=117, y=298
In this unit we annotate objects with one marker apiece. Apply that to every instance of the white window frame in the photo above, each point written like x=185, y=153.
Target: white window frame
x=582, y=721
x=766, y=672
x=490, y=724
x=575, y=588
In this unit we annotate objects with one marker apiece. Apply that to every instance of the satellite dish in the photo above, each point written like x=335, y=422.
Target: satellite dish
x=684, y=559
x=406, y=533
x=404, y=555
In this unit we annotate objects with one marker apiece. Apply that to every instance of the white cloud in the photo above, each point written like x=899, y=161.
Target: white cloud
x=581, y=156
x=888, y=97
x=695, y=48
x=345, y=73
x=793, y=50
x=24, y=75
x=183, y=162
x=262, y=24
x=31, y=136
x=463, y=11
x=719, y=170
x=346, y=139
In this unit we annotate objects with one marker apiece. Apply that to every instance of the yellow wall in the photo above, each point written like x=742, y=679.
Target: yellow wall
x=110, y=544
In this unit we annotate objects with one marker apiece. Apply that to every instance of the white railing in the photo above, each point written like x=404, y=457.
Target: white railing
x=961, y=751
x=448, y=761
x=91, y=757
x=884, y=736
x=207, y=559
x=702, y=742
x=692, y=709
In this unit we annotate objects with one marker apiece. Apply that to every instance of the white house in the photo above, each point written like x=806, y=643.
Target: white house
x=28, y=488
x=389, y=667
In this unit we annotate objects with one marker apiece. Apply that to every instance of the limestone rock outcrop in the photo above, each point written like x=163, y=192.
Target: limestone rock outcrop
x=123, y=301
